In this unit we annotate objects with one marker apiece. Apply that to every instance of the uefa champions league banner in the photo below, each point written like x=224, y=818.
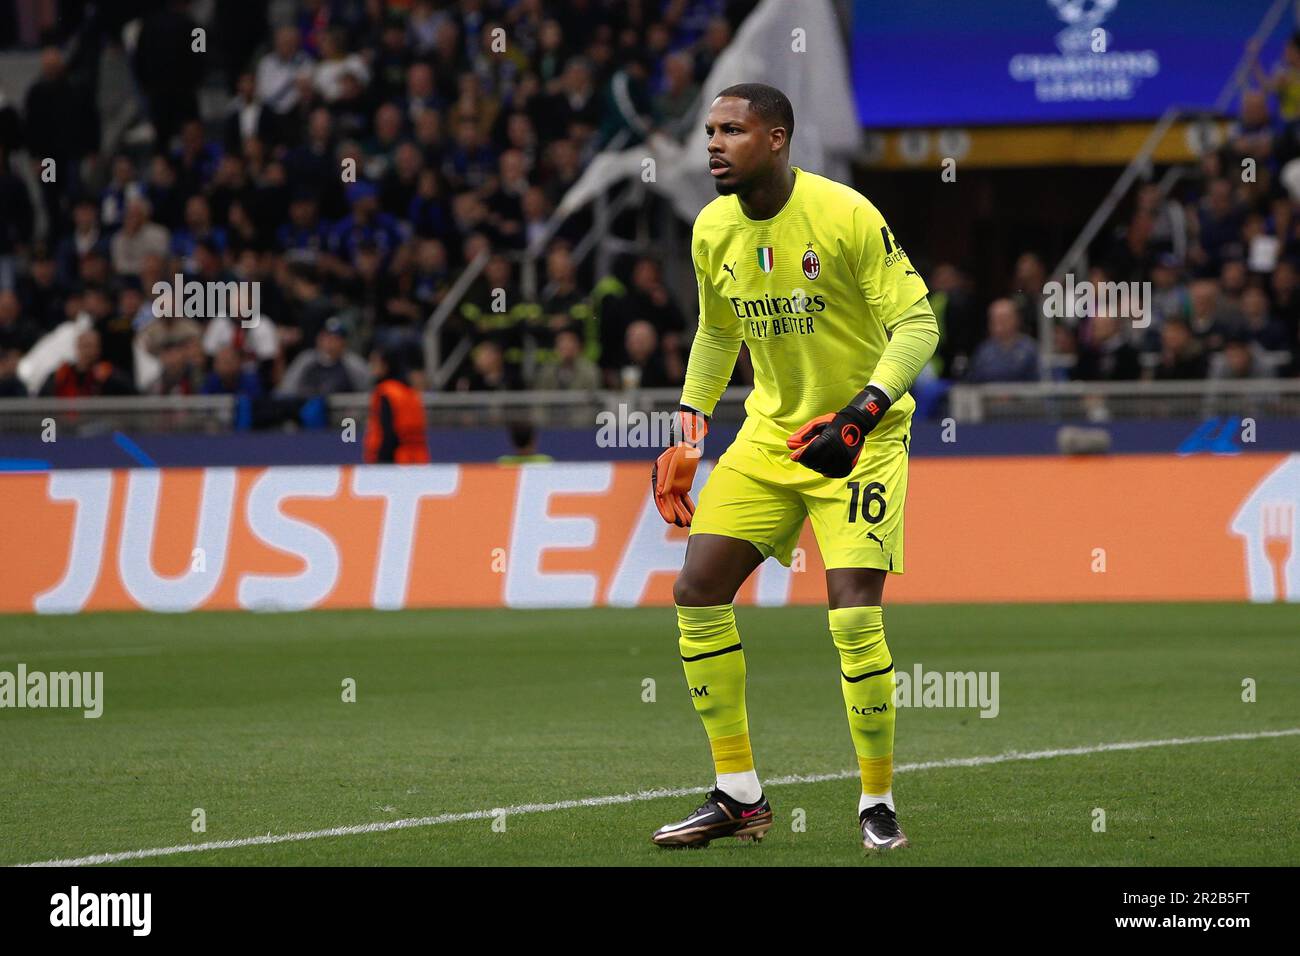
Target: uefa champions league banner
x=577, y=535
x=972, y=62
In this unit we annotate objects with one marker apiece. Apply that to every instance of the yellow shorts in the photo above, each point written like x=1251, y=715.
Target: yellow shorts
x=759, y=495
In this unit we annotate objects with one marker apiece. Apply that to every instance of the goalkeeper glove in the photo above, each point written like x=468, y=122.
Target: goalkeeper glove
x=674, y=472
x=830, y=444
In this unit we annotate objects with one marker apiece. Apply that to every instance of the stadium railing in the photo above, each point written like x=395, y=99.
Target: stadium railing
x=1019, y=401
x=103, y=415
x=1108, y=401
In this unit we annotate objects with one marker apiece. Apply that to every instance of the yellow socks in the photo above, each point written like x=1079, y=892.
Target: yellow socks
x=715, y=673
x=867, y=680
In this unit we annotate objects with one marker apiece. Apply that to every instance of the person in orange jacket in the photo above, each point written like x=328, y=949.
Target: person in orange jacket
x=396, y=432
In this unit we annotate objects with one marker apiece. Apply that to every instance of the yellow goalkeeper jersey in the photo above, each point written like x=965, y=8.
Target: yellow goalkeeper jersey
x=816, y=293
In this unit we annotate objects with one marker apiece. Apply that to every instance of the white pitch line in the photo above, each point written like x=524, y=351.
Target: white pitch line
x=638, y=797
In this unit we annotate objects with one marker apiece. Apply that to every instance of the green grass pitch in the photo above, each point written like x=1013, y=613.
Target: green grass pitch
x=460, y=711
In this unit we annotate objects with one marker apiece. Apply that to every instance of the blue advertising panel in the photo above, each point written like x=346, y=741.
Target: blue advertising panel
x=972, y=62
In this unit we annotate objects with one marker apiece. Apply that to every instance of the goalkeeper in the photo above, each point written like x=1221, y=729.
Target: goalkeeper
x=806, y=273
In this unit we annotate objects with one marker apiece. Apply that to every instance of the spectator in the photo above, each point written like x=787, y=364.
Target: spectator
x=169, y=329
x=570, y=370
x=1007, y=355
x=87, y=374
x=336, y=64
x=85, y=238
x=230, y=377
x=197, y=228
x=1284, y=81
x=644, y=365
x=570, y=100
x=181, y=361
x=1027, y=285
x=278, y=73
x=1219, y=220
x=11, y=386
x=959, y=332
x=247, y=118
x=62, y=124
x=647, y=300
x=328, y=369
x=490, y=372
x=1284, y=289
x=116, y=331
x=168, y=69
x=256, y=338
x=1240, y=359
x=1181, y=355
x=16, y=329
x=137, y=238
x=716, y=37
x=366, y=225
x=1257, y=324
x=1210, y=320
x=1108, y=357
x=123, y=186
x=41, y=294
x=676, y=104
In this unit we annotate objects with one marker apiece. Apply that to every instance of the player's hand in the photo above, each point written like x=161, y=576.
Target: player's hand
x=674, y=471
x=830, y=444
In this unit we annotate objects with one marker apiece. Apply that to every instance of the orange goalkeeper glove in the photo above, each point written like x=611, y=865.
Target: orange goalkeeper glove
x=674, y=471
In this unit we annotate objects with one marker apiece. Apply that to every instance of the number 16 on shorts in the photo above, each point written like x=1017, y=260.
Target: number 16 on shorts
x=870, y=498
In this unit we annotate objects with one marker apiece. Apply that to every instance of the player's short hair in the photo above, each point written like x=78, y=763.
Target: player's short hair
x=768, y=102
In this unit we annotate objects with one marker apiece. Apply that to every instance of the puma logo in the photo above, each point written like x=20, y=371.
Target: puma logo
x=908, y=272
x=726, y=268
x=872, y=536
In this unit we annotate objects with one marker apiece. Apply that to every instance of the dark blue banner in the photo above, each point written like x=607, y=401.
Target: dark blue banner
x=960, y=62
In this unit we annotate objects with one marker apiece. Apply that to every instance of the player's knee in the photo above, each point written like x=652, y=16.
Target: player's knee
x=689, y=591
x=859, y=636
x=861, y=652
x=706, y=630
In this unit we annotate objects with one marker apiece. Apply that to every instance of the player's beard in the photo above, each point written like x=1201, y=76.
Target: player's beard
x=726, y=189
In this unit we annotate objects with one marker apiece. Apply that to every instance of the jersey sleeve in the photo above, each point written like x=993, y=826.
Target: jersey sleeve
x=895, y=295
x=717, y=340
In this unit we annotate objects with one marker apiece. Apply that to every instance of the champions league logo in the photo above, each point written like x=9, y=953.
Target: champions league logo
x=1081, y=17
x=1087, y=69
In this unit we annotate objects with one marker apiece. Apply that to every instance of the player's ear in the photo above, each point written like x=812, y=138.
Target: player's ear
x=778, y=138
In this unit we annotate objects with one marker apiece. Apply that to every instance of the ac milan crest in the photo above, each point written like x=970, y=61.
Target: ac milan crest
x=812, y=266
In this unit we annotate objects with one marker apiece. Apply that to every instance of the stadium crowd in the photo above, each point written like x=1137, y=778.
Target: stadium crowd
x=464, y=123
x=1221, y=254
x=462, y=145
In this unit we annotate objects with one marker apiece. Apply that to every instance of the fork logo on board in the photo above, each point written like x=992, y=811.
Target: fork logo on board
x=1268, y=521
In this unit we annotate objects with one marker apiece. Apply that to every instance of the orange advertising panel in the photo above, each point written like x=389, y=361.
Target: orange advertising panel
x=576, y=535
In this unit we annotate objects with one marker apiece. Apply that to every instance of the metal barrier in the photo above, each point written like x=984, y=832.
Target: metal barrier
x=1110, y=401
x=1011, y=401
x=85, y=417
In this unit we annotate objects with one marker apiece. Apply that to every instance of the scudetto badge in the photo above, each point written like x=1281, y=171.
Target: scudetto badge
x=812, y=266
